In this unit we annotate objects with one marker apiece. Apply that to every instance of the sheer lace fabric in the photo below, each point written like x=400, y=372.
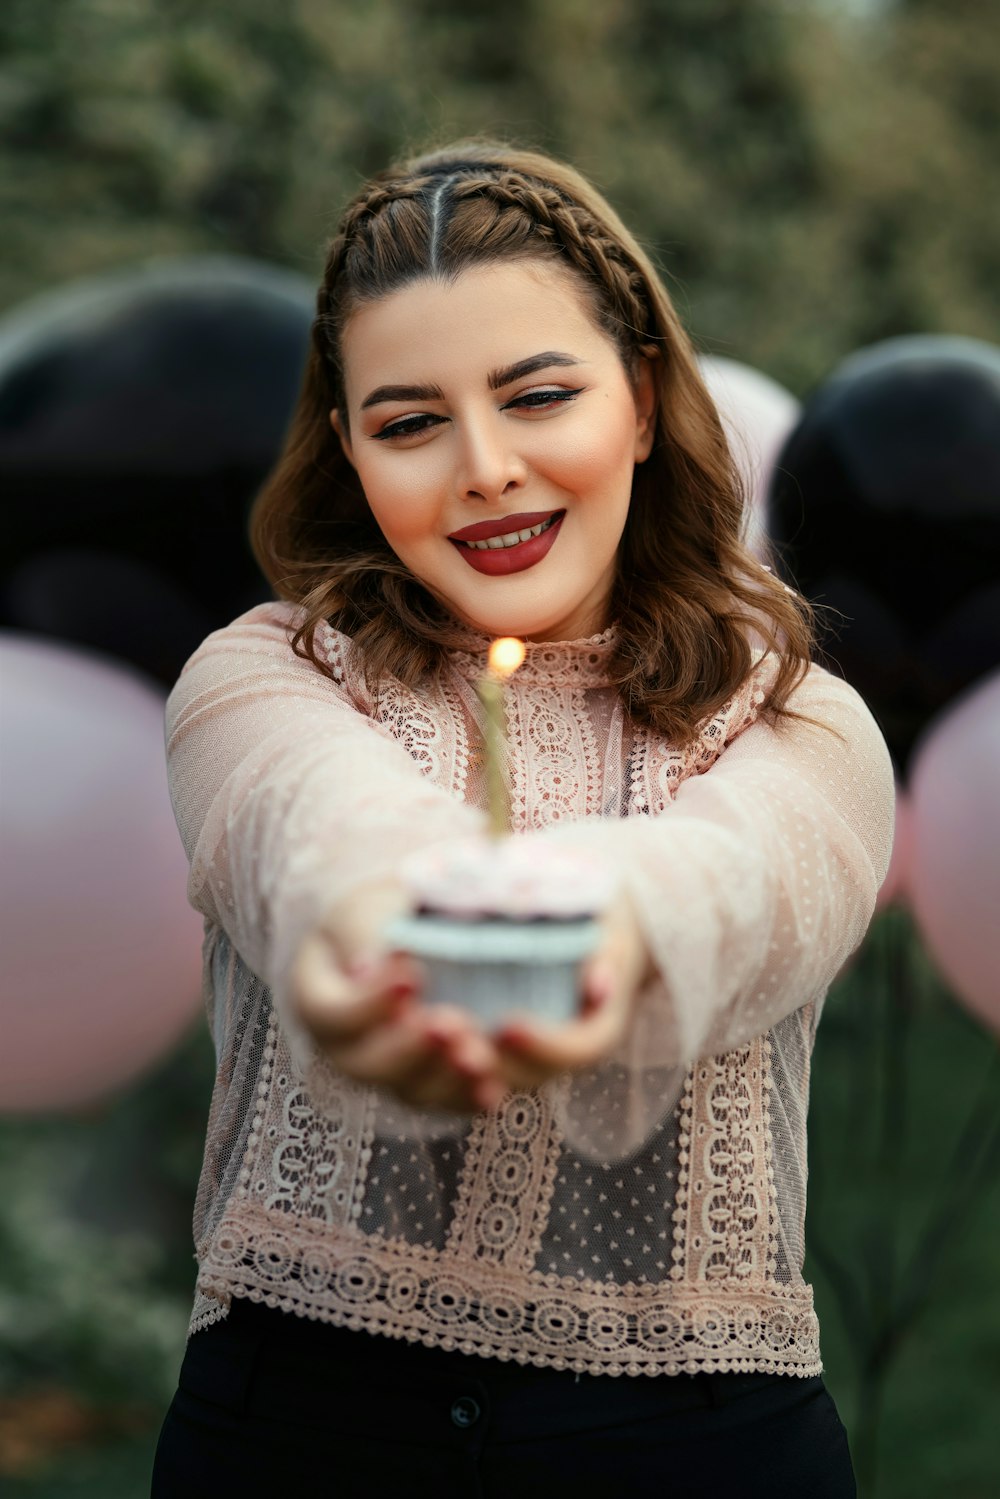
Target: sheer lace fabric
x=645, y=1217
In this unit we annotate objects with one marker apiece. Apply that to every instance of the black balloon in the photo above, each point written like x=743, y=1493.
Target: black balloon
x=885, y=505
x=111, y=604
x=139, y=414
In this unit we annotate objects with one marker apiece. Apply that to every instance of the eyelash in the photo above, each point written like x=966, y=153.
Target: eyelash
x=532, y=400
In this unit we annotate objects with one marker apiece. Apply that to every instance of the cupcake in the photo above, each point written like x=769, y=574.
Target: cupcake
x=502, y=925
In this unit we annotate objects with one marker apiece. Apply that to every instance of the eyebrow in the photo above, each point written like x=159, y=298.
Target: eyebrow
x=550, y=359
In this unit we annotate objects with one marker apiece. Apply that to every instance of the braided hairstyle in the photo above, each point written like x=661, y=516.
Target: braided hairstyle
x=689, y=596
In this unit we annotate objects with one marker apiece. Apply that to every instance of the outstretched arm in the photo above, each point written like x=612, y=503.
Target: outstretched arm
x=289, y=800
x=755, y=885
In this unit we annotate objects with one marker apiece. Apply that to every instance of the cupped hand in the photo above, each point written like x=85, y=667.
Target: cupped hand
x=362, y=1006
x=532, y=1052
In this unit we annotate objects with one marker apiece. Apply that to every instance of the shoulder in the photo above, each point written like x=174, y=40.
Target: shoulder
x=742, y=709
x=818, y=693
x=819, y=702
x=268, y=629
x=263, y=628
x=825, y=725
x=258, y=646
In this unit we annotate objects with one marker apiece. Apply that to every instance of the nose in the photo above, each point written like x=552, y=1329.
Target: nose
x=489, y=465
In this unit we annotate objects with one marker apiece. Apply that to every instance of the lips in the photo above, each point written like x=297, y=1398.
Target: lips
x=499, y=561
x=504, y=526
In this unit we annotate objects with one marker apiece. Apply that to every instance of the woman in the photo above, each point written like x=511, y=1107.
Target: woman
x=502, y=431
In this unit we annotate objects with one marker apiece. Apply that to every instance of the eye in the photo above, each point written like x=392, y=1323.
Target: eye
x=542, y=400
x=408, y=426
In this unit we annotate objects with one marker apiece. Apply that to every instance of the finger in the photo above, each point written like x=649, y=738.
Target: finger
x=375, y=970
x=388, y=1053
x=466, y=1048
x=532, y=1051
x=356, y=926
x=598, y=984
x=415, y=1064
x=463, y=1070
x=441, y=1087
x=336, y=1007
x=472, y=1055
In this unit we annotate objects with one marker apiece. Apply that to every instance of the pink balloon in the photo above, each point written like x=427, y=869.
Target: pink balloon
x=955, y=860
x=894, y=889
x=101, y=952
x=757, y=414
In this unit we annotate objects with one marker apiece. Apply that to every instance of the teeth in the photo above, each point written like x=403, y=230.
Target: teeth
x=511, y=538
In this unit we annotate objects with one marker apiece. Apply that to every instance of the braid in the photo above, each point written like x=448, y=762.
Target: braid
x=353, y=230
x=587, y=244
x=531, y=213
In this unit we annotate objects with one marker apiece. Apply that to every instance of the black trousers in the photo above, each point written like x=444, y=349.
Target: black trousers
x=272, y=1405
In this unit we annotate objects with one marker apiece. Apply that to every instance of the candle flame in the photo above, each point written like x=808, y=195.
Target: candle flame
x=506, y=655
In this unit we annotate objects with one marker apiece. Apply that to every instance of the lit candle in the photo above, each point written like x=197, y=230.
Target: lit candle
x=506, y=655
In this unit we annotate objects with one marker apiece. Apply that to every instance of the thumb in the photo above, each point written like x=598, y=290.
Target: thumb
x=356, y=926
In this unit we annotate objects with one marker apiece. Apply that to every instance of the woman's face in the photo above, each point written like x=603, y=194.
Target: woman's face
x=494, y=431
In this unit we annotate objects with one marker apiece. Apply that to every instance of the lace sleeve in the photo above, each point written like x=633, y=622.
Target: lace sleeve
x=755, y=885
x=287, y=797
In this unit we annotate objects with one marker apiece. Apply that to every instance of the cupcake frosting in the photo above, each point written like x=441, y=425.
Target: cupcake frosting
x=513, y=877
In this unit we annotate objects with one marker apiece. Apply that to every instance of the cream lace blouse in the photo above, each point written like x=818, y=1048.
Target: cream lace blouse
x=646, y=1217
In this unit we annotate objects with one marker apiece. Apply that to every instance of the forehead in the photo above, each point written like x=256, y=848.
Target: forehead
x=484, y=318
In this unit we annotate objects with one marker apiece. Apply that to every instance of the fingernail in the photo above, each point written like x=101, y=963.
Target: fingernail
x=595, y=1000
x=599, y=988
x=515, y=1040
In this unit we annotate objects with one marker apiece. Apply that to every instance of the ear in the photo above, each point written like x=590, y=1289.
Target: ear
x=340, y=427
x=645, y=392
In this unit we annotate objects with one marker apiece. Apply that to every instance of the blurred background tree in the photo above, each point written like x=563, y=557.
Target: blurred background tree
x=812, y=177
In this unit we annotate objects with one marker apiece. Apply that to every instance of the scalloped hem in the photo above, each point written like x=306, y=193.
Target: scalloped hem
x=395, y=1290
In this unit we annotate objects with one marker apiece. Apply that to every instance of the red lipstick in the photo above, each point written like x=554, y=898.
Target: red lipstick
x=484, y=529
x=500, y=561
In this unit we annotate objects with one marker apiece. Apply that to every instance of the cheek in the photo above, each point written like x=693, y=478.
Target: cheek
x=404, y=505
x=597, y=461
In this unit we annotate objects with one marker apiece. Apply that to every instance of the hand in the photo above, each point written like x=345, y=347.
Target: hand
x=361, y=1005
x=531, y=1052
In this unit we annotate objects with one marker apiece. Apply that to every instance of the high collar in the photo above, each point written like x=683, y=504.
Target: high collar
x=555, y=663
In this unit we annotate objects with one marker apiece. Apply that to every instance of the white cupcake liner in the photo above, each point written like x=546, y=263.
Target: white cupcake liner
x=495, y=967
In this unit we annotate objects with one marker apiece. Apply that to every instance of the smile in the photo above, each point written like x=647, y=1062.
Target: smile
x=510, y=551
x=511, y=538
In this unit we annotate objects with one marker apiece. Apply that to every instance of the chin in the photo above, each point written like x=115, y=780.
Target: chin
x=540, y=630
x=528, y=624
x=536, y=615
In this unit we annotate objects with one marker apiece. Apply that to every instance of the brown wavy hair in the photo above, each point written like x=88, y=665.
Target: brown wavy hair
x=689, y=596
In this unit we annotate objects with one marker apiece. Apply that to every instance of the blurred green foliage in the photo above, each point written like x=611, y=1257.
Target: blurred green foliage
x=904, y=1219
x=96, y=1259
x=96, y=1277
x=810, y=178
